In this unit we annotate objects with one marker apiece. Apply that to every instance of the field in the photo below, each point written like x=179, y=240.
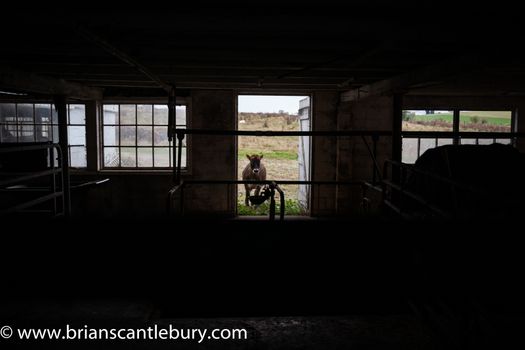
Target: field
x=280, y=157
x=473, y=121
x=495, y=118
x=469, y=121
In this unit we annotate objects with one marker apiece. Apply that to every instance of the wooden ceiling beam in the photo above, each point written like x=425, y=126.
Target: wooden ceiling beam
x=41, y=84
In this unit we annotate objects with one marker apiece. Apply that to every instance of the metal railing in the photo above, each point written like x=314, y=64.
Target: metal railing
x=413, y=192
x=180, y=184
x=12, y=182
x=456, y=138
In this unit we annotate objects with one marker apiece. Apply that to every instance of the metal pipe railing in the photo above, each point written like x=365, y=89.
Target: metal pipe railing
x=405, y=169
x=461, y=134
x=180, y=135
x=18, y=178
x=283, y=133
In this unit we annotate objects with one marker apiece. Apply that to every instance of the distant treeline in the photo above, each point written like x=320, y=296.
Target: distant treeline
x=251, y=116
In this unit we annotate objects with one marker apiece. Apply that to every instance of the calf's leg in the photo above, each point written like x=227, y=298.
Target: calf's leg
x=247, y=199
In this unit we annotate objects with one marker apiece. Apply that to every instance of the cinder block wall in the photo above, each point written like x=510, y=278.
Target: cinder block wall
x=212, y=157
x=354, y=162
x=144, y=195
x=324, y=153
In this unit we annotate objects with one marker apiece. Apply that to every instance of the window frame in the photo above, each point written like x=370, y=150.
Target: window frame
x=180, y=101
x=456, y=138
x=51, y=124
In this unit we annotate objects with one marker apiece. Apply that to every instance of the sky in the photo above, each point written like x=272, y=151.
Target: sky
x=269, y=104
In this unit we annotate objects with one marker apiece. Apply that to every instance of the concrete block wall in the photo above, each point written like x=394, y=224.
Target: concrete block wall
x=353, y=158
x=324, y=153
x=212, y=157
x=144, y=194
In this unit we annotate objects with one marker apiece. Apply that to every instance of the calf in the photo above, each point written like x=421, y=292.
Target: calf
x=254, y=170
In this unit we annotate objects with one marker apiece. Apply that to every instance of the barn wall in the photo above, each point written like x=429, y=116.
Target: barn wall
x=144, y=194
x=324, y=150
x=353, y=158
x=137, y=194
x=213, y=157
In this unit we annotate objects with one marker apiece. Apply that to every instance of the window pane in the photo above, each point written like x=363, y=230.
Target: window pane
x=127, y=135
x=409, y=154
x=54, y=135
x=162, y=157
x=111, y=135
x=76, y=135
x=43, y=133
x=183, y=158
x=111, y=157
x=161, y=136
x=9, y=133
x=54, y=115
x=442, y=142
x=25, y=113
x=145, y=135
x=145, y=157
x=485, y=121
x=78, y=157
x=504, y=141
x=26, y=133
x=7, y=113
x=77, y=114
x=485, y=141
x=144, y=114
x=426, y=144
x=161, y=115
x=43, y=114
x=180, y=115
x=127, y=114
x=110, y=114
x=427, y=120
x=141, y=133
x=128, y=156
x=469, y=141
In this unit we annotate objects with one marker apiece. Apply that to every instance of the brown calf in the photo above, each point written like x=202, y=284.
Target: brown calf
x=254, y=170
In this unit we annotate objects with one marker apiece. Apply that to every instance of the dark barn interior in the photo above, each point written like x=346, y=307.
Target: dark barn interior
x=119, y=167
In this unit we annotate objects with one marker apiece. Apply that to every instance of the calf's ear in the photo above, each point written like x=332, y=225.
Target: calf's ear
x=248, y=156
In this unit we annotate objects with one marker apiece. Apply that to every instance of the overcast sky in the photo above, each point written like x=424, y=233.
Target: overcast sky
x=269, y=104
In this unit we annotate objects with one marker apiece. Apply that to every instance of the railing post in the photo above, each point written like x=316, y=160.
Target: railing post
x=272, y=201
x=375, y=139
x=281, y=197
x=53, y=177
x=180, y=137
x=61, y=107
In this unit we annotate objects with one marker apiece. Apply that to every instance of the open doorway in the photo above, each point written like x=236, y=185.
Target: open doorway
x=283, y=157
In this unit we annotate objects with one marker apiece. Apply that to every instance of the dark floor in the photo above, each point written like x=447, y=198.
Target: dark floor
x=293, y=332
x=305, y=285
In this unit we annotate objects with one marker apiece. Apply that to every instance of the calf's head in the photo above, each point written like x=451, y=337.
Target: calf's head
x=255, y=162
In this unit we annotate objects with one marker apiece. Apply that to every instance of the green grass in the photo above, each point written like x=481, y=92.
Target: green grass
x=291, y=207
x=488, y=114
x=269, y=154
x=446, y=117
x=494, y=118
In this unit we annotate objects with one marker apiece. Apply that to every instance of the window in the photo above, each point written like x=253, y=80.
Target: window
x=38, y=122
x=136, y=136
x=454, y=121
x=485, y=121
x=424, y=120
